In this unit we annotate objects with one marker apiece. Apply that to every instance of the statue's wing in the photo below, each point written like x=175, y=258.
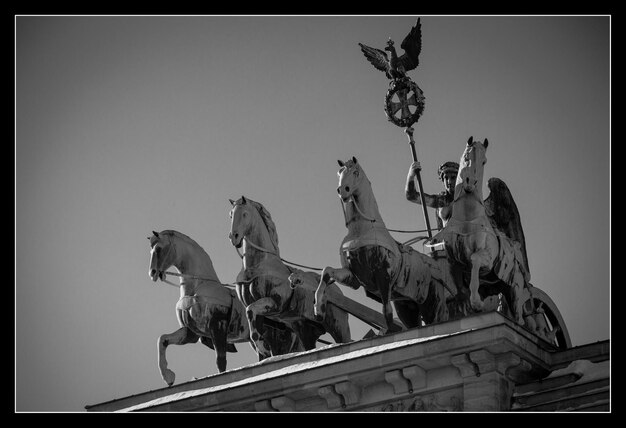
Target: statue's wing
x=504, y=215
x=377, y=57
x=412, y=45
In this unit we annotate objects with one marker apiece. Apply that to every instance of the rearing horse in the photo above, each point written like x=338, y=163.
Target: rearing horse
x=207, y=309
x=476, y=236
x=263, y=284
x=387, y=270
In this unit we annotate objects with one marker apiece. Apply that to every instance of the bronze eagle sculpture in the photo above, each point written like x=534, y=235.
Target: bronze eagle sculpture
x=393, y=66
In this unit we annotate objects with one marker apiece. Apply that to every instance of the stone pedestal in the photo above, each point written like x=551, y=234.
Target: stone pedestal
x=472, y=364
x=488, y=379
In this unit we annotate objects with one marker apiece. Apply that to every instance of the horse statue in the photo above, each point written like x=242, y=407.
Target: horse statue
x=207, y=309
x=263, y=284
x=390, y=272
x=474, y=239
x=485, y=238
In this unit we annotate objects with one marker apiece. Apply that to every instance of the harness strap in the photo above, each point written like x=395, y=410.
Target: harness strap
x=361, y=212
x=253, y=245
x=184, y=275
x=373, y=220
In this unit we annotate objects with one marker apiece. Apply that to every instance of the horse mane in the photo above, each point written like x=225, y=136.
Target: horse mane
x=462, y=165
x=267, y=220
x=185, y=238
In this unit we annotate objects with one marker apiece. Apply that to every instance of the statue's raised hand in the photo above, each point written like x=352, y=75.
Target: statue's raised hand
x=414, y=169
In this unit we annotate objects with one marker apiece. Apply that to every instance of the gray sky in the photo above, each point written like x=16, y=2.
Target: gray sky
x=131, y=124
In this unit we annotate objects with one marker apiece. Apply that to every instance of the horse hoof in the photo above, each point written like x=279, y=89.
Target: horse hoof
x=477, y=305
x=169, y=377
x=262, y=350
x=393, y=329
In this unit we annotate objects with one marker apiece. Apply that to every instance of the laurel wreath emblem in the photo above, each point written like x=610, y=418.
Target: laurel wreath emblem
x=410, y=97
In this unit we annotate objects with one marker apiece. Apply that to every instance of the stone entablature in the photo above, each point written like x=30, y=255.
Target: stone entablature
x=471, y=364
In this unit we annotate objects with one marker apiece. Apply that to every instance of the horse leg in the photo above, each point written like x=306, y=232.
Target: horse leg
x=263, y=306
x=179, y=337
x=329, y=275
x=307, y=334
x=280, y=341
x=319, y=308
x=516, y=293
x=338, y=324
x=384, y=287
x=409, y=313
x=218, y=330
x=478, y=260
x=438, y=296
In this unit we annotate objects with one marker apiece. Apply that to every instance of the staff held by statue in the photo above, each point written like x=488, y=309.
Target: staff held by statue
x=404, y=102
x=418, y=178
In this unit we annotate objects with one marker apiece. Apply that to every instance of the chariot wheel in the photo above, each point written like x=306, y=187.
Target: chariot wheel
x=542, y=316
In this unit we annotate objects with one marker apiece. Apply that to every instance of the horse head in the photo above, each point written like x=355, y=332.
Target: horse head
x=471, y=167
x=350, y=178
x=240, y=221
x=251, y=220
x=161, y=255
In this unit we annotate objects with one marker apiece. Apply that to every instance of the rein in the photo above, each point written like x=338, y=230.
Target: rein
x=253, y=245
x=170, y=248
x=373, y=220
x=183, y=275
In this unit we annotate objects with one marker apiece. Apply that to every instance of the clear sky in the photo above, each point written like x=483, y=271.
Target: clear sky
x=126, y=125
